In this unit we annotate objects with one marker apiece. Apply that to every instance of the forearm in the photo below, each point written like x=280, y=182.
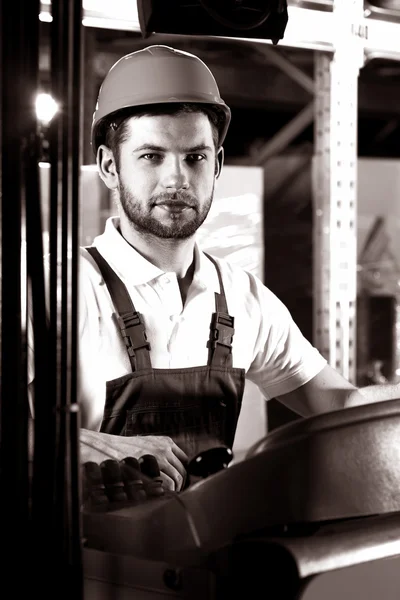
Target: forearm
x=329, y=391
x=371, y=394
x=380, y=392
x=348, y=398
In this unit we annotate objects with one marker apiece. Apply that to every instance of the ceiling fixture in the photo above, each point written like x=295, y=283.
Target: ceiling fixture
x=260, y=19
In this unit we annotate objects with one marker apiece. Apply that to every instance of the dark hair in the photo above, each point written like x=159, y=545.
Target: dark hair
x=113, y=131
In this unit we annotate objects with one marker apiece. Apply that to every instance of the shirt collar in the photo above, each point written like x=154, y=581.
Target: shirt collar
x=133, y=267
x=205, y=274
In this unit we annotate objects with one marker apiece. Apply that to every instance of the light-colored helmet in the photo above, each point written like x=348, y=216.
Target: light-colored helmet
x=157, y=74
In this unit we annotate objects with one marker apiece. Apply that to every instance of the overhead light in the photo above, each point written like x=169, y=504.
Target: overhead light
x=45, y=17
x=46, y=108
x=260, y=19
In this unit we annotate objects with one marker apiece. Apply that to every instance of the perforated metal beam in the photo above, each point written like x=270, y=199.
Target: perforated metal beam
x=335, y=190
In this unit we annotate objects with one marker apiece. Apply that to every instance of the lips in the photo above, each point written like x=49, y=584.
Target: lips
x=174, y=204
x=174, y=207
x=181, y=199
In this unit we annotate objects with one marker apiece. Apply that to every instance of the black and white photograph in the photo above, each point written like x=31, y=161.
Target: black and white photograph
x=200, y=299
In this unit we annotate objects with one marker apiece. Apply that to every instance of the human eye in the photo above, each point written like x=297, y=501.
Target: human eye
x=195, y=157
x=151, y=156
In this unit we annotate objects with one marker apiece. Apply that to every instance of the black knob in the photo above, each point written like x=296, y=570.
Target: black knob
x=149, y=466
x=112, y=478
x=131, y=469
x=210, y=461
x=153, y=483
x=133, y=479
x=94, y=492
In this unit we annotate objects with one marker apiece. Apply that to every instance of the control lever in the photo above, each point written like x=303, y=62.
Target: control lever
x=112, y=478
x=94, y=492
x=114, y=484
x=153, y=483
x=208, y=462
x=133, y=480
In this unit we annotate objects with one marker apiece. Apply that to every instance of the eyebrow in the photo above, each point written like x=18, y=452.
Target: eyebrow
x=153, y=148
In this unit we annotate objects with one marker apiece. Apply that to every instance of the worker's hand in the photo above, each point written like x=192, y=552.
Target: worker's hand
x=96, y=447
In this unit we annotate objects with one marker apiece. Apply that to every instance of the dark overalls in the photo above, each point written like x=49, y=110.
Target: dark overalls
x=197, y=407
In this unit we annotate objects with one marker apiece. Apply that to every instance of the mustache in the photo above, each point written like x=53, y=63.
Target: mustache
x=175, y=198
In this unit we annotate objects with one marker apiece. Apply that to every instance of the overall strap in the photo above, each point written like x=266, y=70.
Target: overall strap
x=129, y=320
x=221, y=328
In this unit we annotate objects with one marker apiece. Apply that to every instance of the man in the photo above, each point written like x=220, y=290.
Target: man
x=167, y=333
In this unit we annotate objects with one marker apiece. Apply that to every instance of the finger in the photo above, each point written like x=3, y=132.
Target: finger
x=176, y=463
x=168, y=482
x=168, y=469
x=179, y=453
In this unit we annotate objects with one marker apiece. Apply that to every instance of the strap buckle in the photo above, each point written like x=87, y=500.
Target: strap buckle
x=222, y=330
x=133, y=331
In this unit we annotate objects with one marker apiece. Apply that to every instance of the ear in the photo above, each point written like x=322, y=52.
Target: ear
x=107, y=167
x=219, y=161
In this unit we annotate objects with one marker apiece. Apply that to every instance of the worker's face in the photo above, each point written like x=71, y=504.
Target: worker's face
x=166, y=174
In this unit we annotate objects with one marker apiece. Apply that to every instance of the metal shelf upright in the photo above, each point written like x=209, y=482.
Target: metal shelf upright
x=334, y=185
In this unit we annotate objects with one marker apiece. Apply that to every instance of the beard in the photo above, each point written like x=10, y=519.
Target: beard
x=174, y=225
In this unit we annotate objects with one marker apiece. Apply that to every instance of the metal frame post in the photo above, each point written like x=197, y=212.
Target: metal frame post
x=335, y=189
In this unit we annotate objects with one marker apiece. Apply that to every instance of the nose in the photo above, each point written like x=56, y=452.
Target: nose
x=175, y=176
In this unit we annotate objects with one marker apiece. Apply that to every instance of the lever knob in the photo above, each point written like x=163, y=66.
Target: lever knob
x=133, y=480
x=153, y=482
x=94, y=490
x=210, y=461
x=112, y=477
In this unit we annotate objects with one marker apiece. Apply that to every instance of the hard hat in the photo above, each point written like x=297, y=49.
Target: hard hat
x=157, y=74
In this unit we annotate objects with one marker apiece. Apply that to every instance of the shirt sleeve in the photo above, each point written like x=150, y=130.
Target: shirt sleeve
x=284, y=359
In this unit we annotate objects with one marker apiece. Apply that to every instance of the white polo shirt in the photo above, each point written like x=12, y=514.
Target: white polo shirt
x=267, y=343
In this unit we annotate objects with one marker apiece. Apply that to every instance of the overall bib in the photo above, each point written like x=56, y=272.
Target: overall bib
x=197, y=407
